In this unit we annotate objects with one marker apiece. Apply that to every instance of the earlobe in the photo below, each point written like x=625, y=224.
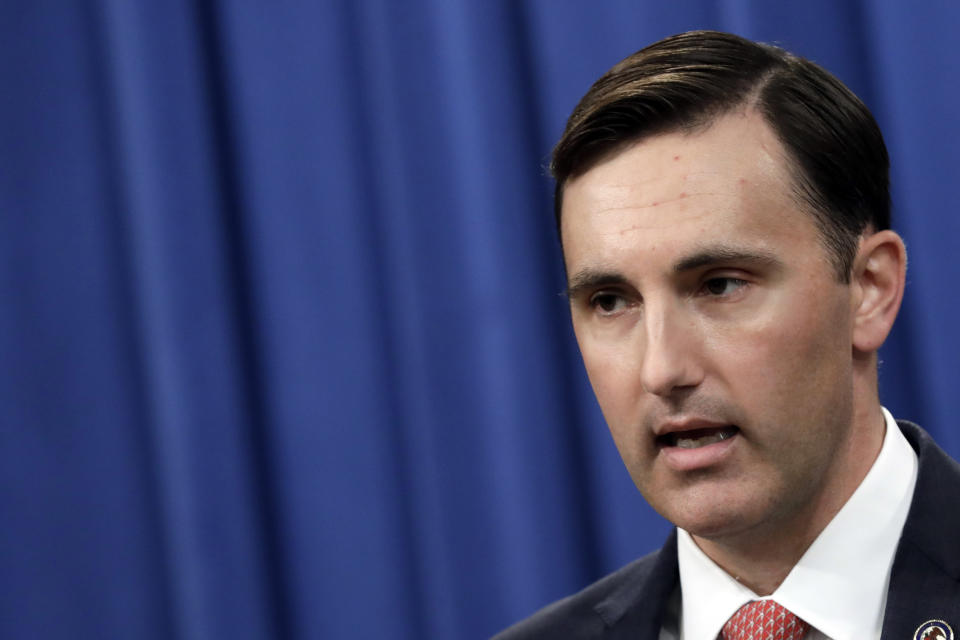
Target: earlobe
x=879, y=274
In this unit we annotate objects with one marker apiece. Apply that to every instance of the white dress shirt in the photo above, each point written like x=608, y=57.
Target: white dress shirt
x=840, y=584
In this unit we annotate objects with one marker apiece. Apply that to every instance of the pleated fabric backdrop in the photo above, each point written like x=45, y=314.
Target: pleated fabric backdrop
x=282, y=353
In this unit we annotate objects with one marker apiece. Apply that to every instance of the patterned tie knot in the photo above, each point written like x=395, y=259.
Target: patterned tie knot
x=764, y=620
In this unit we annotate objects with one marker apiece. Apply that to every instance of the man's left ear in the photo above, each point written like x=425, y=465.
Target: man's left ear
x=878, y=278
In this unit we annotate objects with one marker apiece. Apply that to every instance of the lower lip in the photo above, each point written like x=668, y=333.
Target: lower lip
x=710, y=455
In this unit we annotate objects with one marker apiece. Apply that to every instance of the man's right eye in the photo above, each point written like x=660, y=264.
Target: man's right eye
x=607, y=303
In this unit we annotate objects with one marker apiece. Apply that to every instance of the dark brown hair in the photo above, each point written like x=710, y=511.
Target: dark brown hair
x=835, y=148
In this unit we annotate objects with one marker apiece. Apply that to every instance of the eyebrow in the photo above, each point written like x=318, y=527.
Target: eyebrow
x=723, y=254
x=589, y=278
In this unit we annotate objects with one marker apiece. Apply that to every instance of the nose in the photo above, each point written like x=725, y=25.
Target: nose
x=671, y=358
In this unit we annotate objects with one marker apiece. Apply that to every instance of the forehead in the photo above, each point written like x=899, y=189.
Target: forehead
x=729, y=182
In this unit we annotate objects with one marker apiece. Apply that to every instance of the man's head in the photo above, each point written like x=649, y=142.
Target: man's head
x=838, y=161
x=727, y=312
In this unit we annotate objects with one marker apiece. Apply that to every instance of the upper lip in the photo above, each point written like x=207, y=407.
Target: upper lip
x=687, y=424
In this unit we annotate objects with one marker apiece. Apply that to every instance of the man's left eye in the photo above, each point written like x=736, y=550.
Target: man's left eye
x=723, y=286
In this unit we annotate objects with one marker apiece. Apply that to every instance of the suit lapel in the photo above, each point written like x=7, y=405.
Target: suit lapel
x=634, y=611
x=925, y=579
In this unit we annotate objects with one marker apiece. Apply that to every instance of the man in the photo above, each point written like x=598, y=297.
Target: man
x=723, y=209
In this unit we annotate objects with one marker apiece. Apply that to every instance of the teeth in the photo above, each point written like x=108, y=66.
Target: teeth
x=695, y=443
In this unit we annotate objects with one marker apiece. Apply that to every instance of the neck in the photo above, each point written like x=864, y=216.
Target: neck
x=761, y=558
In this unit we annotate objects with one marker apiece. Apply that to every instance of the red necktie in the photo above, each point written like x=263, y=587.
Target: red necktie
x=764, y=620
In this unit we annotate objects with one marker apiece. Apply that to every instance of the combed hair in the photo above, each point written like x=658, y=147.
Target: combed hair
x=837, y=156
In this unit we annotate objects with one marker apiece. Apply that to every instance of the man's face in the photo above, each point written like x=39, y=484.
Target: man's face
x=713, y=328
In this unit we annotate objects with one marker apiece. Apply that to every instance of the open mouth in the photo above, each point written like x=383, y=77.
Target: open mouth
x=696, y=438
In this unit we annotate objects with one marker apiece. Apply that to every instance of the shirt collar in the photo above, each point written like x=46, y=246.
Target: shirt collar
x=840, y=584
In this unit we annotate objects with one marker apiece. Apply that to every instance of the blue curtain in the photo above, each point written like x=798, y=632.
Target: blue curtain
x=282, y=353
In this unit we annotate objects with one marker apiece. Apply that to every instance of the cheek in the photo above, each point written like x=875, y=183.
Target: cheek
x=612, y=382
x=787, y=358
x=612, y=367
x=617, y=388
x=609, y=362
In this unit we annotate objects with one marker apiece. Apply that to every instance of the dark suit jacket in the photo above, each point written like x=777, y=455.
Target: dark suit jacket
x=924, y=585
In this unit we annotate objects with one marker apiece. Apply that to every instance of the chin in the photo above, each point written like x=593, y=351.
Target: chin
x=711, y=527
x=708, y=516
x=714, y=529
